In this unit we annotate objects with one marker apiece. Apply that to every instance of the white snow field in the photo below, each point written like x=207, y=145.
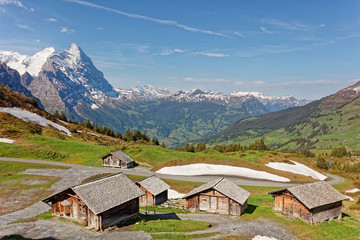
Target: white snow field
x=212, y=169
x=33, y=117
x=259, y=237
x=297, y=168
x=355, y=190
x=172, y=194
x=350, y=198
x=5, y=140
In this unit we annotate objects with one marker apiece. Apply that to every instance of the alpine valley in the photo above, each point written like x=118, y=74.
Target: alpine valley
x=70, y=83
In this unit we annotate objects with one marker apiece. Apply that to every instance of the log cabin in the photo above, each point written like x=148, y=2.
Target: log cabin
x=98, y=204
x=118, y=159
x=218, y=196
x=313, y=202
x=156, y=191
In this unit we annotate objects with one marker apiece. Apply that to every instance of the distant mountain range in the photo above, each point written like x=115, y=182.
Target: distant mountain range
x=330, y=122
x=69, y=82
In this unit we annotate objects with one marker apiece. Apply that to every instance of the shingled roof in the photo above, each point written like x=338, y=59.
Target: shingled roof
x=225, y=187
x=315, y=194
x=154, y=185
x=105, y=193
x=122, y=156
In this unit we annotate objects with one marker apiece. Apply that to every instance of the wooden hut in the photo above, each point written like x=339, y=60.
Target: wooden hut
x=312, y=202
x=156, y=191
x=98, y=204
x=118, y=159
x=218, y=196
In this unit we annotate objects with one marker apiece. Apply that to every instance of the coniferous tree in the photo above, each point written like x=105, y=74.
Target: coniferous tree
x=163, y=144
x=56, y=114
x=118, y=135
x=128, y=136
x=137, y=135
x=63, y=117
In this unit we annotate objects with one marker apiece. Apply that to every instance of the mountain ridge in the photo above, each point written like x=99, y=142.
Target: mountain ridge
x=69, y=82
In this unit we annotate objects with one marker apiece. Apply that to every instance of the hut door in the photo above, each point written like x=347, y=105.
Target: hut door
x=204, y=203
x=296, y=209
x=213, y=203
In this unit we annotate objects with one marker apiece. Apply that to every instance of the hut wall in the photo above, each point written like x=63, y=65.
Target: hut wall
x=287, y=203
x=214, y=202
x=161, y=197
x=326, y=212
x=111, y=161
x=192, y=203
x=72, y=207
x=119, y=214
x=147, y=199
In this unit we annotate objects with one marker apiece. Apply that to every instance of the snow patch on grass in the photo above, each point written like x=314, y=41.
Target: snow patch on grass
x=172, y=194
x=297, y=168
x=212, y=169
x=355, y=190
x=33, y=117
x=259, y=237
x=5, y=140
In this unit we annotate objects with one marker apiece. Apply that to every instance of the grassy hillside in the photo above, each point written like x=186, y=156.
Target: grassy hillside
x=173, y=122
x=327, y=123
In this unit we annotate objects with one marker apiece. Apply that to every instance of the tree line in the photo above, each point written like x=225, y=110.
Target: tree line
x=233, y=147
x=128, y=136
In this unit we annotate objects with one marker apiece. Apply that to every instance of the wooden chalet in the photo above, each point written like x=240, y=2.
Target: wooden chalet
x=218, y=196
x=156, y=191
x=98, y=204
x=312, y=202
x=118, y=159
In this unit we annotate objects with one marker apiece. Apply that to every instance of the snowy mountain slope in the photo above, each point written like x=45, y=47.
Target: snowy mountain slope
x=25, y=63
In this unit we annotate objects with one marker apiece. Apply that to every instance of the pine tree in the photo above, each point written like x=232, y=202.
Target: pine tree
x=137, y=135
x=56, y=114
x=118, y=135
x=63, y=117
x=163, y=144
x=128, y=136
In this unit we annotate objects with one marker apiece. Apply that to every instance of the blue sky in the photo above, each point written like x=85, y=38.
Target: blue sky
x=308, y=49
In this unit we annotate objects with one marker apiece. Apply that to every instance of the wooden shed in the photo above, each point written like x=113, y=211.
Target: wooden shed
x=156, y=191
x=98, y=204
x=313, y=202
x=218, y=196
x=118, y=159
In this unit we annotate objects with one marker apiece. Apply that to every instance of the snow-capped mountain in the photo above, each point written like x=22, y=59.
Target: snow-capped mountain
x=142, y=92
x=25, y=63
x=149, y=92
x=69, y=82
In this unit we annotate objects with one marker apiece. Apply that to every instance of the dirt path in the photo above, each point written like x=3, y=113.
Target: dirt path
x=224, y=225
x=141, y=171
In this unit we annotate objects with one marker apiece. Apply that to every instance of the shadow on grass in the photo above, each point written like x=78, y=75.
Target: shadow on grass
x=250, y=209
x=344, y=215
x=157, y=216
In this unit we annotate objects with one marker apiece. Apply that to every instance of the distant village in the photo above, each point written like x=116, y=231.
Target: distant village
x=115, y=199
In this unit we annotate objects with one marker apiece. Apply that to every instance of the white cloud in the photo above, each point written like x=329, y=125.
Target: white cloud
x=24, y=26
x=239, y=34
x=50, y=19
x=99, y=28
x=159, y=21
x=322, y=25
x=265, y=30
x=67, y=30
x=210, y=54
x=287, y=25
x=12, y=2
x=168, y=52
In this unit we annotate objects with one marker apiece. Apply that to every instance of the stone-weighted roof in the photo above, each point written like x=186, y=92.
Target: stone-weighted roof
x=122, y=156
x=105, y=193
x=154, y=185
x=314, y=194
x=225, y=187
